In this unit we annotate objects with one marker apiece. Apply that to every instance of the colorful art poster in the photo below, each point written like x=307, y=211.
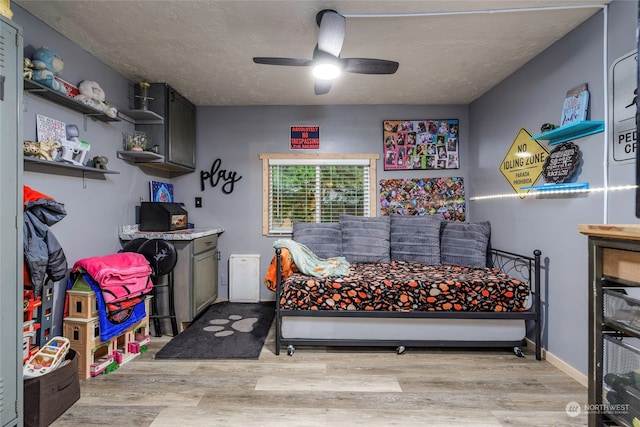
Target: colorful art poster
x=49, y=129
x=420, y=144
x=161, y=192
x=424, y=196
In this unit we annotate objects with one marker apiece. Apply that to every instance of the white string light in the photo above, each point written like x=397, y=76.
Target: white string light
x=559, y=191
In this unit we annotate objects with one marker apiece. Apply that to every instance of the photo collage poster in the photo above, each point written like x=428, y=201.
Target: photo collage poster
x=420, y=144
x=424, y=196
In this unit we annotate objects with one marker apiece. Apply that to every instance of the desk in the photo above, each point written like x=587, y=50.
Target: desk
x=195, y=274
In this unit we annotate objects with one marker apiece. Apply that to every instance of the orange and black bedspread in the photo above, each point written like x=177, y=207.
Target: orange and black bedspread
x=402, y=286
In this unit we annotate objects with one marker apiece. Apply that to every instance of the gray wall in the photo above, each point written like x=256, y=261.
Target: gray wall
x=532, y=96
x=237, y=135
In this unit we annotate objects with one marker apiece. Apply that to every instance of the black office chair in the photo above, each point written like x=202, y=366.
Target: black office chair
x=162, y=257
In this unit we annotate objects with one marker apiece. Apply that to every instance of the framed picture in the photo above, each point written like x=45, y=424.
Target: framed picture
x=424, y=196
x=48, y=129
x=420, y=144
x=161, y=191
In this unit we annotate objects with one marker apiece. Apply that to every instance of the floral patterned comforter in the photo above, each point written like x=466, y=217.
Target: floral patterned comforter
x=402, y=286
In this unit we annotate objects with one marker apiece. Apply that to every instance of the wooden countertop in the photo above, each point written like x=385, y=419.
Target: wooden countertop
x=620, y=231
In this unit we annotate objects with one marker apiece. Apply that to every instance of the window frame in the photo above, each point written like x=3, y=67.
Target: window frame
x=267, y=158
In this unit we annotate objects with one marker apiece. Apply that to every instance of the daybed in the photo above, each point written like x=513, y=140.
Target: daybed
x=413, y=281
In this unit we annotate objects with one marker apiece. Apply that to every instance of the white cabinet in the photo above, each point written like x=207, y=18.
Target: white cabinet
x=244, y=278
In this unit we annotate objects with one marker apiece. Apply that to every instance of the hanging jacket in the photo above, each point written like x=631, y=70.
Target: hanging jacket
x=43, y=255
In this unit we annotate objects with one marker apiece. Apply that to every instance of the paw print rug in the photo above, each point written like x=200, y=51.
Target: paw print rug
x=226, y=330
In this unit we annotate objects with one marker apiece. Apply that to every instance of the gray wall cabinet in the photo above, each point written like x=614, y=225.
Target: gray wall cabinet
x=176, y=137
x=11, y=46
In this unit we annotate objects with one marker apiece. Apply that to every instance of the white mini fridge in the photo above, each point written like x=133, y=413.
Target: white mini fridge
x=244, y=278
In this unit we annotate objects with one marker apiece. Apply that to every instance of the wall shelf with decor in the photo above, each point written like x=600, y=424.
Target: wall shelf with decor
x=40, y=90
x=565, y=187
x=34, y=164
x=141, y=117
x=140, y=156
x=570, y=132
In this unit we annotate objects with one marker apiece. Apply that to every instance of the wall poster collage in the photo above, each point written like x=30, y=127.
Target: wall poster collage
x=424, y=196
x=420, y=144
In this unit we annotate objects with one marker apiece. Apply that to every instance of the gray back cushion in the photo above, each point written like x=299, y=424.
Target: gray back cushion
x=324, y=239
x=415, y=239
x=465, y=243
x=365, y=239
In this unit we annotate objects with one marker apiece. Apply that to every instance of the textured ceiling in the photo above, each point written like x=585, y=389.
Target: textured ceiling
x=204, y=48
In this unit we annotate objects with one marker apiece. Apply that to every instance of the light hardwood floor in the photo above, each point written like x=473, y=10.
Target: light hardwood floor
x=320, y=386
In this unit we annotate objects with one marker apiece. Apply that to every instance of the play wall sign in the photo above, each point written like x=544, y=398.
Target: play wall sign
x=522, y=166
x=622, y=97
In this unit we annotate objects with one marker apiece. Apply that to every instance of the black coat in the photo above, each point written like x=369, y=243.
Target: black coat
x=43, y=254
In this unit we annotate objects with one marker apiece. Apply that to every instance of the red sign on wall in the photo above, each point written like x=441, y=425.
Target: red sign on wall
x=305, y=137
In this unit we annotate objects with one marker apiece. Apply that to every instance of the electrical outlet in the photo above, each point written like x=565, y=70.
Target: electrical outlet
x=198, y=202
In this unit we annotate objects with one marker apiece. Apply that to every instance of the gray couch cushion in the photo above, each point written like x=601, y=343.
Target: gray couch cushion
x=365, y=239
x=324, y=239
x=415, y=239
x=465, y=243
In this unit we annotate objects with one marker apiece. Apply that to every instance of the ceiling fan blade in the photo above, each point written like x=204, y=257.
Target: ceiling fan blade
x=369, y=66
x=299, y=62
x=321, y=87
x=332, y=30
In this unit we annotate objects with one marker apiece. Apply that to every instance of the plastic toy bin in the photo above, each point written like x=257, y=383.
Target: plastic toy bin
x=47, y=397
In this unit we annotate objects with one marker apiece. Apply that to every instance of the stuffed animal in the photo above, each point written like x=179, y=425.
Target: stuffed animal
x=42, y=150
x=91, y=94
x=100, y=162
x=27, y=68
x=46, y=66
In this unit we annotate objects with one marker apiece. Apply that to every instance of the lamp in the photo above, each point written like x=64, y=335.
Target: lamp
x=326, y=71
x=325, y=66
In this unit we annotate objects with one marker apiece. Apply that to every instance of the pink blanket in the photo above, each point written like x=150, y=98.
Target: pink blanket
x=121, y=276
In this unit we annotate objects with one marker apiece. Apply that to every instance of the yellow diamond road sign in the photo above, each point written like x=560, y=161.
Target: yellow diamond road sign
x=522, y=166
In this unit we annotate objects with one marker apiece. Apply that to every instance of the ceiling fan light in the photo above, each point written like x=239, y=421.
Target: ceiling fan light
x=326, y=71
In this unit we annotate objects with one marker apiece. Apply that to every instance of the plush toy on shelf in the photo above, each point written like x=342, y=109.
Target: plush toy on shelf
x=46, y=150
x=46, y=66
x=91, y=94
x=27, y=68
x=100, y=162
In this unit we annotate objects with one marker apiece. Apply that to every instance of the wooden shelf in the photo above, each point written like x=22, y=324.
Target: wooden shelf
x=570, y=132
x=141, y=117
x=140, y=156
x=37, y=89
x=34, y=164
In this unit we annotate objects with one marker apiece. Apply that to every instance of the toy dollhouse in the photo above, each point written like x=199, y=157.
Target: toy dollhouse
x=82, y=328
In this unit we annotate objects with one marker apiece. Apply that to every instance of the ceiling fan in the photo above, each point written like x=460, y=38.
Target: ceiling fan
x=326, y=61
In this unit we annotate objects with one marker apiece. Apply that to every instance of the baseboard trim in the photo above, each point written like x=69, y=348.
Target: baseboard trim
x=560, y=364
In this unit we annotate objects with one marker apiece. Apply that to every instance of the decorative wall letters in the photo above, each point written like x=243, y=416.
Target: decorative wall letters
x=216, y=174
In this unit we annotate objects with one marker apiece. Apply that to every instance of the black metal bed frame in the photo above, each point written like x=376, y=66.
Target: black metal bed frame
x=522, y=267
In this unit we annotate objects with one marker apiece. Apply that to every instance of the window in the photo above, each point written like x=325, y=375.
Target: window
x=315, y=188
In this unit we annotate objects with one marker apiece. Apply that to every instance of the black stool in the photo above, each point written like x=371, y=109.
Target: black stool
x=162, y=257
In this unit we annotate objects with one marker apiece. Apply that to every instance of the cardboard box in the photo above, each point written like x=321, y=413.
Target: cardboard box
x=71, y=90
x=48, y=397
